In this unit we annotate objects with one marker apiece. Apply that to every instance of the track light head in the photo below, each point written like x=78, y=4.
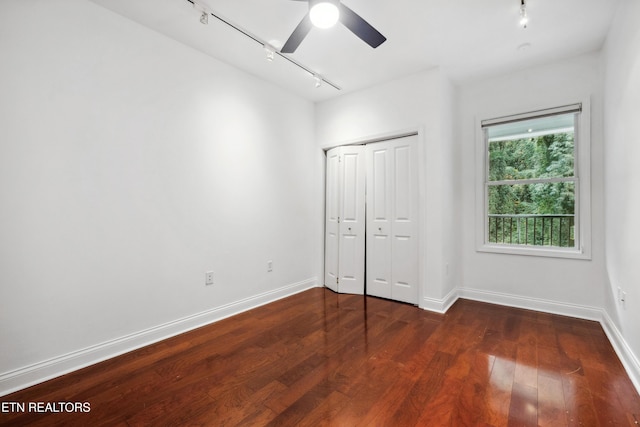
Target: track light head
x=524, y=18
x=270, y=51
x=204, y=15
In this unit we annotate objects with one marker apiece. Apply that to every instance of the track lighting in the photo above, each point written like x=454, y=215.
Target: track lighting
x=270, y=51
x=324, y=13
x=204, y=15
x=524, y=18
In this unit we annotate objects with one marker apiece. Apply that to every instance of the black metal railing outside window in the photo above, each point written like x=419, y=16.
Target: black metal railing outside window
x=532, y=230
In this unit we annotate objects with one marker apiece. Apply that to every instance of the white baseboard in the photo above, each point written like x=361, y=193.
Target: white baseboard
x=622, y=349
x=440, y=305
x=625, y=354
x=39, y=372
x=528, y=303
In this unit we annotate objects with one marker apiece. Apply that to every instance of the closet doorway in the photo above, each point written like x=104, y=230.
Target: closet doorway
x=371, y=230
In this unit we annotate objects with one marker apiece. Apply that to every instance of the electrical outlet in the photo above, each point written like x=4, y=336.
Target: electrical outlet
x=269, y=266
x=622, y=297
x=208, y=278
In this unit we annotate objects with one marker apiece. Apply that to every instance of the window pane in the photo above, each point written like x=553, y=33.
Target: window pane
x=532, y=214
x=531, y=149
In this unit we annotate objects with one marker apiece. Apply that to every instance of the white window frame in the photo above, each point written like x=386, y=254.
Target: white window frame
x=582, y=179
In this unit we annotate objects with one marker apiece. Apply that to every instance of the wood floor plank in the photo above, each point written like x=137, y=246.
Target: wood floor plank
x=499, y=390
x=551, y=409
x=605, y=399
x=472, y=409
x=326, y=412
x=423, y=390
x=366, y=390
x=578, y=402
x=319, y=358
x=523, y=411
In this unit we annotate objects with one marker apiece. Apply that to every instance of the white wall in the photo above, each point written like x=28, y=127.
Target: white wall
x=129, y=166
x=422, y=101
x=567, y=284
x=622, y=175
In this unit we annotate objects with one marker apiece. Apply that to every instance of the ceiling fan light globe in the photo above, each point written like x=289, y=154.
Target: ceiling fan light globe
x=324, y=14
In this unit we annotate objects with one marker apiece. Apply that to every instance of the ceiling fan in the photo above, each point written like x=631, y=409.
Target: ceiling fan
x=324, y=14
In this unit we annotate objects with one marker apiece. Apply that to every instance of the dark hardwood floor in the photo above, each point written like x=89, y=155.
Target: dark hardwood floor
x=318, y=358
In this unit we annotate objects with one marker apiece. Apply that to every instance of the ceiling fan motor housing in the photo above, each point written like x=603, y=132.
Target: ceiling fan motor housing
x=315, y=2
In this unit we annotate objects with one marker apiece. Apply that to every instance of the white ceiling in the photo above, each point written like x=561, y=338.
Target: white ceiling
x=468, y=38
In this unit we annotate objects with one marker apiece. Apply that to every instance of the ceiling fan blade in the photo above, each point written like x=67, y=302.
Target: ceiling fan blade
x=298, y=35
x=360, y=27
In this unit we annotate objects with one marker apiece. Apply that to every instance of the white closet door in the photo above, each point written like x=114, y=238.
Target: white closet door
x=379, y=220
x=331, y=220
x=392, y=220
x=345, y=220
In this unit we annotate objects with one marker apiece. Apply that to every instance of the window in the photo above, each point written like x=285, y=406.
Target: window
x=533, y=186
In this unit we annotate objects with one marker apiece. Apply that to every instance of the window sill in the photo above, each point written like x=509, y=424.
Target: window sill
x=535, y=251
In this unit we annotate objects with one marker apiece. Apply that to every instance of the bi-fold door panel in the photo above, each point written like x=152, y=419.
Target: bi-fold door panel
x=345, y=222
x=404, y=249
x=392, y=224
x=352, y=221
x=331, y=221
x=378, y=221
